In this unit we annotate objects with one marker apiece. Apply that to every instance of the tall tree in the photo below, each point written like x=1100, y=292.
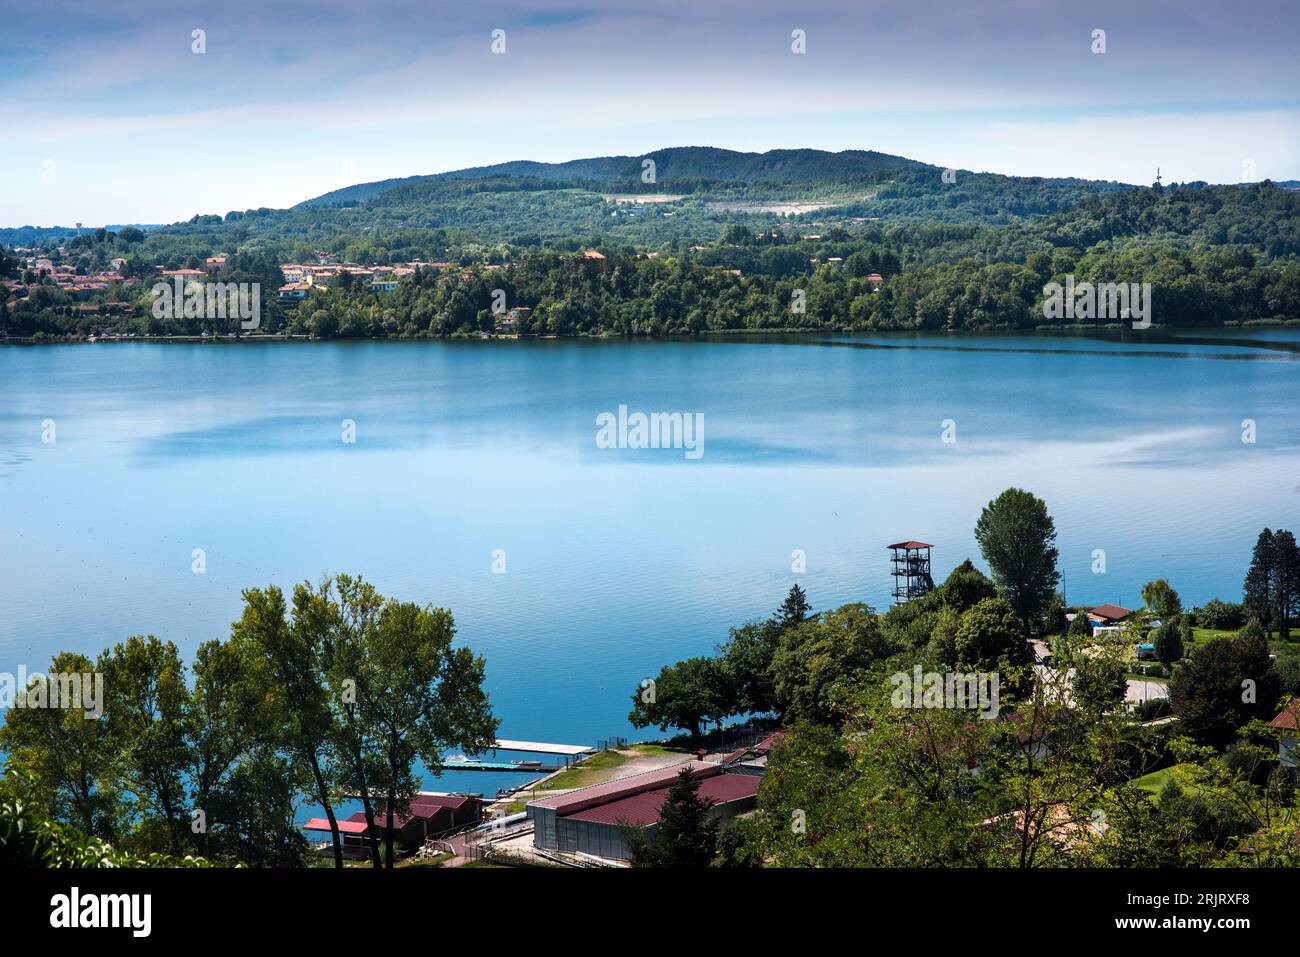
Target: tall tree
x=684, y=695
x=685, y=836
x=1161, y=598
x=224, y=723
x=1169, y=640
x=146, y=708
x=420, y=696
x=794, y=609
x=1222, y=685
x=1017, y=538
x=1286, y=581
x=289, y=652
x=747, y=665
x=68, y=755
x=349, y=613
x=824, y=657
x=406, y=694
x=1257, y=591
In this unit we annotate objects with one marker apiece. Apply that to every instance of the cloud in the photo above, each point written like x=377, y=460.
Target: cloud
x=1006, y=85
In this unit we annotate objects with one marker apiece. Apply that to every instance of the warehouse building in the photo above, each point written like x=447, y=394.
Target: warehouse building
x=590, y=820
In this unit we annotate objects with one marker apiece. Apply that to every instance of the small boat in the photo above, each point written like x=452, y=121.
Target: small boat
x=527, y=764
x=458, y=759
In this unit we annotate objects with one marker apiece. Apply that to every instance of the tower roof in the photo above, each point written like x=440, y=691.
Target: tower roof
x=911, y=544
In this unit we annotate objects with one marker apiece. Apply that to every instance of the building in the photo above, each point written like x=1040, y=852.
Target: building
x=593, y=259
x=1108, y=616
x=1288, y=745
x=294, y=290
x=214, y=264
x=505, y=325
x=590, y=820
x=431, y=814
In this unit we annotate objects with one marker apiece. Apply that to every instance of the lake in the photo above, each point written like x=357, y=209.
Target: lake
x=616, y=560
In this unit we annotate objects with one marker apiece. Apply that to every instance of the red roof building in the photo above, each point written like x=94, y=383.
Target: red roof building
x=1108, y=614
x=430, y=814
x=591, y=821
x=643, y=808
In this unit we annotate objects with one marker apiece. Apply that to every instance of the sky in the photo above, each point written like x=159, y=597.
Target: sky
x=115, y=113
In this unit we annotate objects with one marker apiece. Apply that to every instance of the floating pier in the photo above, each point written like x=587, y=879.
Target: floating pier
x=571, y=753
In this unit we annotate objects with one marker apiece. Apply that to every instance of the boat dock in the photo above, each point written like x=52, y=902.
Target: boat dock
x=571, y=754
x=499, y=766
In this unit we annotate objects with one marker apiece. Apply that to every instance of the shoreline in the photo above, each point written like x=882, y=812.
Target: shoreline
x=1047, y=330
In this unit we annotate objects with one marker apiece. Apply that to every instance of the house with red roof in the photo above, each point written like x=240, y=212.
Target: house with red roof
x=1108, y=618
x=431, y=814
x=1288, y=744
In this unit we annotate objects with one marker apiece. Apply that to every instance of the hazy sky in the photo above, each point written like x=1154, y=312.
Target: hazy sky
x=108, y=116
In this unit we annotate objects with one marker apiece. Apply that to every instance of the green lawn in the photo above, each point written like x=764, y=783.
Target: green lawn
x=1275, y=645
x=587, y=772
x=651, y=748
x=595, y=769
x=1154, y=782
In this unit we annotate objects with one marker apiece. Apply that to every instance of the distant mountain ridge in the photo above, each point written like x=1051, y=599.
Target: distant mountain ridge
x=693, y=163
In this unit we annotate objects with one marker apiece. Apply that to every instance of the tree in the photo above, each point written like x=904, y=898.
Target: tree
x=1100, y=681
x=1216, y=613
x=289, y=655
x=405, y=693
x=966, y=585
x=67, y=755
x=255, y=811
x=746, y=664
x=223, y=725
x=1080, y=628
x=30, y=838
x=794, y=609
x=1223, y=685
x=145, y=707
x=825, y=656
x=990, y=637
x=1161, y=598
x=686, y=835
x=1017, y=538
x=421, y=697
x=1257, y=591
x=738, y=843
x=1286, y=581
x=1169, y=640
x=684, y=695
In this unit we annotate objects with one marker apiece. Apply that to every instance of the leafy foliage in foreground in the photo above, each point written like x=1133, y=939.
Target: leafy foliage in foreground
x=28, y=838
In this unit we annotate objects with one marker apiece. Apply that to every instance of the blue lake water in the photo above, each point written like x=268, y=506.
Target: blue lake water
x=617, y=560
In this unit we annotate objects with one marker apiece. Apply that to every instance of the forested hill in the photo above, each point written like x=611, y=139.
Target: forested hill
x=877, y=247
x=683, y=168
x=697, y=192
